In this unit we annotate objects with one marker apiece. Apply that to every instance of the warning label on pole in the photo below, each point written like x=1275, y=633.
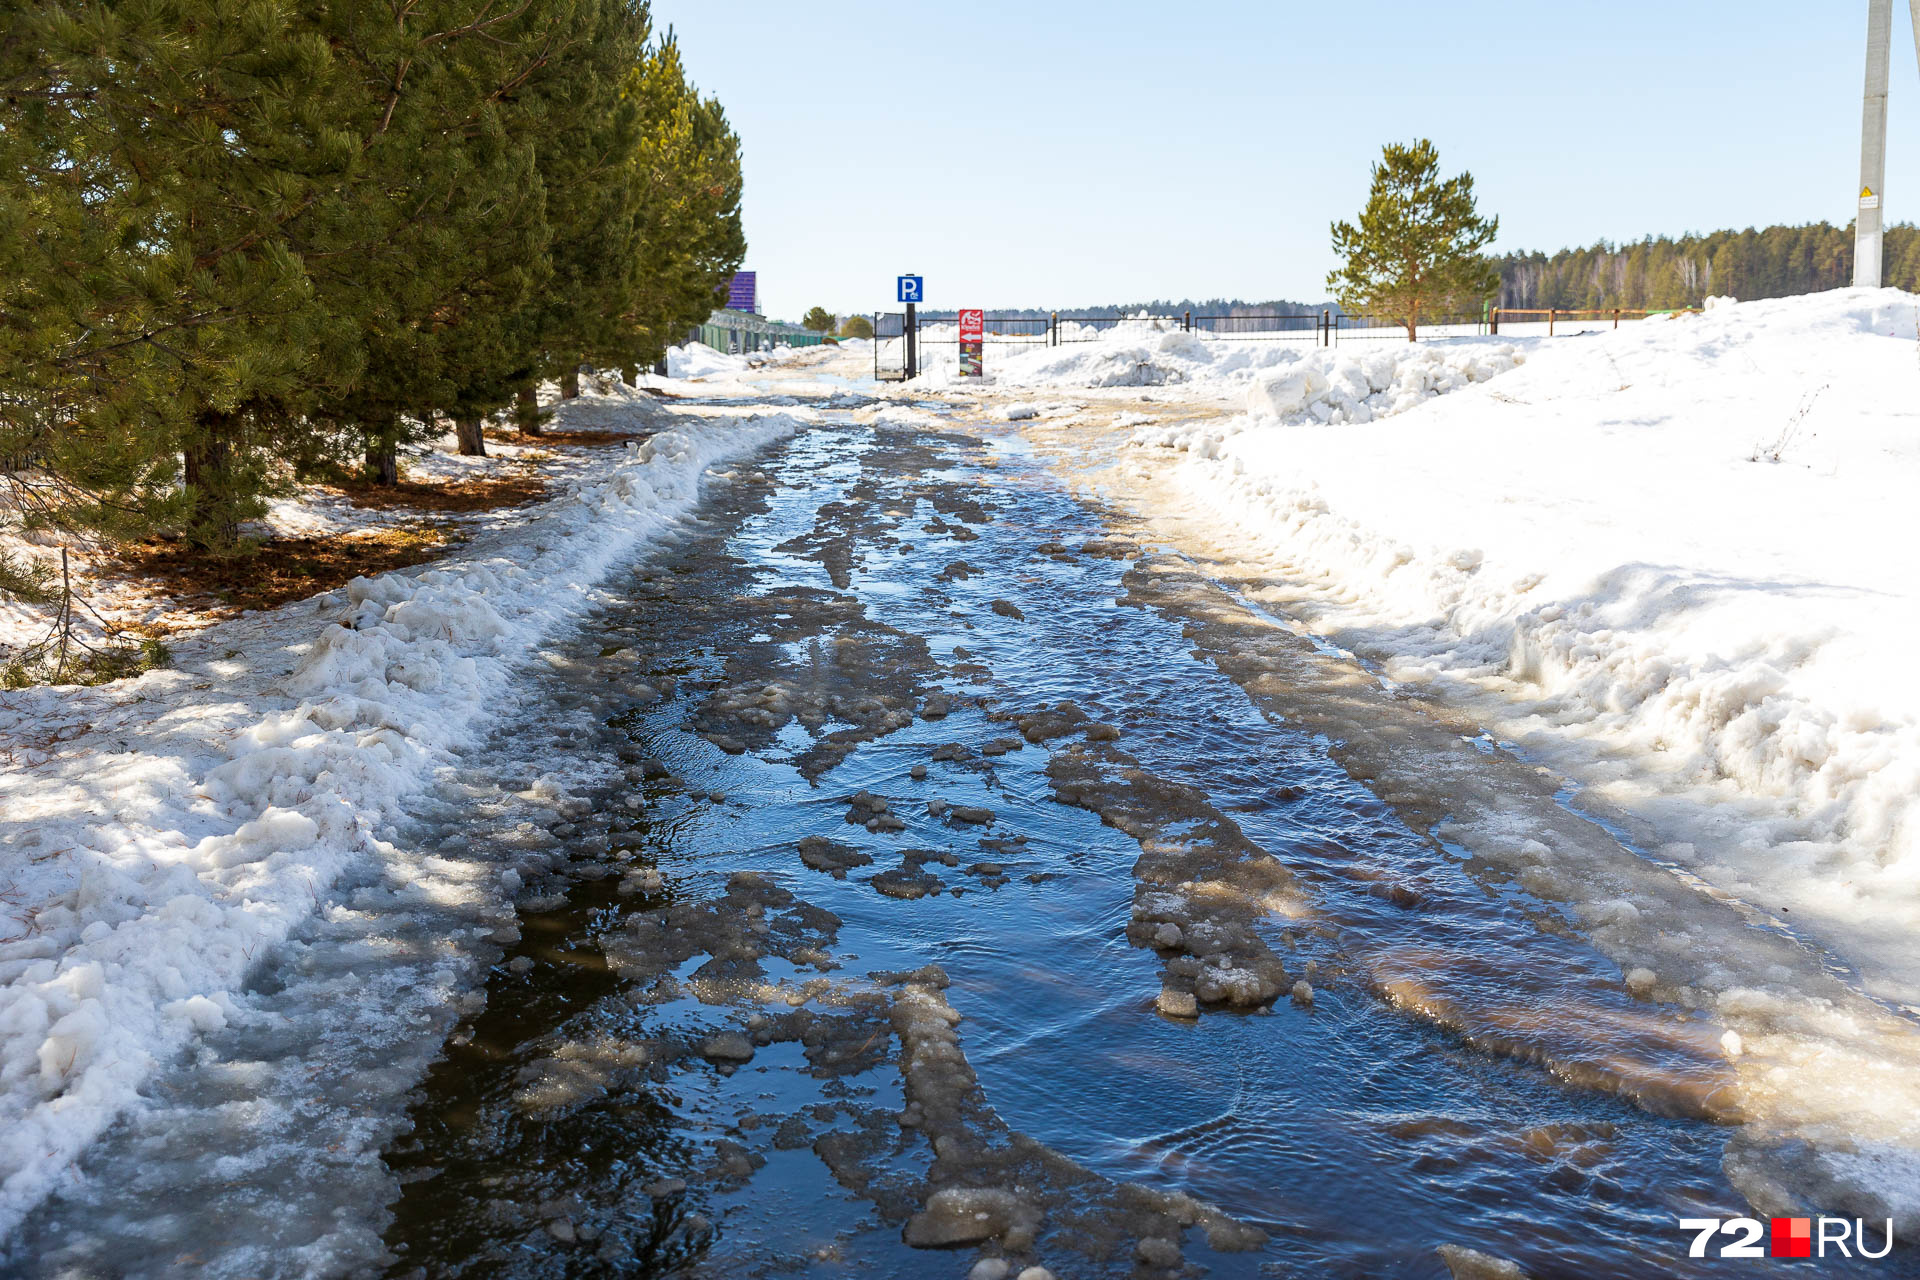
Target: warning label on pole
x=1869, y=200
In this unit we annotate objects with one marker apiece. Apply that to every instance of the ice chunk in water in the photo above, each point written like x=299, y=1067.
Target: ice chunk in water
x=963, y=1215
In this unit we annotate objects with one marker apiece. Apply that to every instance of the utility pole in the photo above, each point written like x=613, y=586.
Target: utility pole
x=1873, y=145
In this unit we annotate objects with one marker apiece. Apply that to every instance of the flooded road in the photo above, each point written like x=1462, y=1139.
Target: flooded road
x=897, y=873
x=869, y=576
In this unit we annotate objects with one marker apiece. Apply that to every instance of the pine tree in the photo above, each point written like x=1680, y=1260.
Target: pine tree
x=1417, y=248
x=818, y=319
x=686, y=171
x=585, y=126
x=175, y=157
x=453, y=234
x=240, y=239
x=82, y=449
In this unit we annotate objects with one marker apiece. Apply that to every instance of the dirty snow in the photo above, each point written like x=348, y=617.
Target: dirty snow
x=1677, y=561
x=1360, y=381
x=160, y=833
x=698, y=360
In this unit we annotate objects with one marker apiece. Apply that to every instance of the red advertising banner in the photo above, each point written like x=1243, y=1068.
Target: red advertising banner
x=973, y=326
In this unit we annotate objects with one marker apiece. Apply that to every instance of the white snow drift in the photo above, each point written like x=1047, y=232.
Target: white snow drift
x=162, y=833
x=698, y=360
x=1278, y=378
x=1337, y=386
x=1678, y=560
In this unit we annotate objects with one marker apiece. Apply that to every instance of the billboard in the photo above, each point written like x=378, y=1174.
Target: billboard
x=743, y=292
x=973, y=339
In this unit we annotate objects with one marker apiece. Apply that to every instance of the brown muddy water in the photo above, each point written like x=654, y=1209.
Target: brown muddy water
x=888, y=878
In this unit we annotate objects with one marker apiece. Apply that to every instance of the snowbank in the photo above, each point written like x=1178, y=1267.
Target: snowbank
x=1678, y=560
x=1279, y=377
x=698, y=360
x=162, y=833
x=744, y=375
x=1338, y=386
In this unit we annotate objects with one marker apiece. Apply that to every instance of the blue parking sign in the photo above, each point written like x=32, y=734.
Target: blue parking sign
x=912, y=289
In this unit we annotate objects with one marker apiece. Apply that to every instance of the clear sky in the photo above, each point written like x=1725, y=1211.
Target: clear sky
x=1061, y=153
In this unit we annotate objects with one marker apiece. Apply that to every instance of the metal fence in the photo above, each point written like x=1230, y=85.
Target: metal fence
x=1327, y=328
x=1067, y=329
x=889, y=353
x=739, y=332
x=1019, y=331
x=1377, y=328
x=1303, y=327
x=1319, y=328
x=1015, y=329
x=1306, y=326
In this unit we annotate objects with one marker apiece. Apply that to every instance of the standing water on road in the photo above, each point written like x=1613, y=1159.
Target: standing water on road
x=901, y=879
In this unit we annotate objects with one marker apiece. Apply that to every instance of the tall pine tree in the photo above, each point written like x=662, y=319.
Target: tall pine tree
x=687, y=236
x=239, y=238
x=455, y=234
x=179, y=149
x=588, y=128
x=1417, y=248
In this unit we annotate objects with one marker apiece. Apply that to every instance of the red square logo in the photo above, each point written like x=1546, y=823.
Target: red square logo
x=1792, y=1238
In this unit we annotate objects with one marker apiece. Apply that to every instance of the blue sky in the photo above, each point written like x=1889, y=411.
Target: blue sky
x=1060, y=153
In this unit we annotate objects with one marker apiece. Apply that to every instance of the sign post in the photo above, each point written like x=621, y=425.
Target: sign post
x=973, y=338
x=912, y=290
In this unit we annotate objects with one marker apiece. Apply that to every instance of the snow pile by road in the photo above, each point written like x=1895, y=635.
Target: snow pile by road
x=161, y=834
x=698, y=360
x=1336, y=386
x=716, y=372
x=1678, y=560
x=1136, y=353
x=1279, y=378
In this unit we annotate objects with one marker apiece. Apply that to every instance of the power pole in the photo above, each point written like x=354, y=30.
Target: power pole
x=1873, y=147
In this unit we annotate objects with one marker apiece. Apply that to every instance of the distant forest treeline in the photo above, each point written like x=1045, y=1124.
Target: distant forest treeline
x=1658, y=272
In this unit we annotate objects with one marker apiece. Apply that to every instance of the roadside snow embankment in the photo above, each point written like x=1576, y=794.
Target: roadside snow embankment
x=1335, y=388
x=1677, y=560
x=1338, y=387
x=1280, y=378
x=698, y=360
x=162, y=834
x=1134, y=353
x=718, y=373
